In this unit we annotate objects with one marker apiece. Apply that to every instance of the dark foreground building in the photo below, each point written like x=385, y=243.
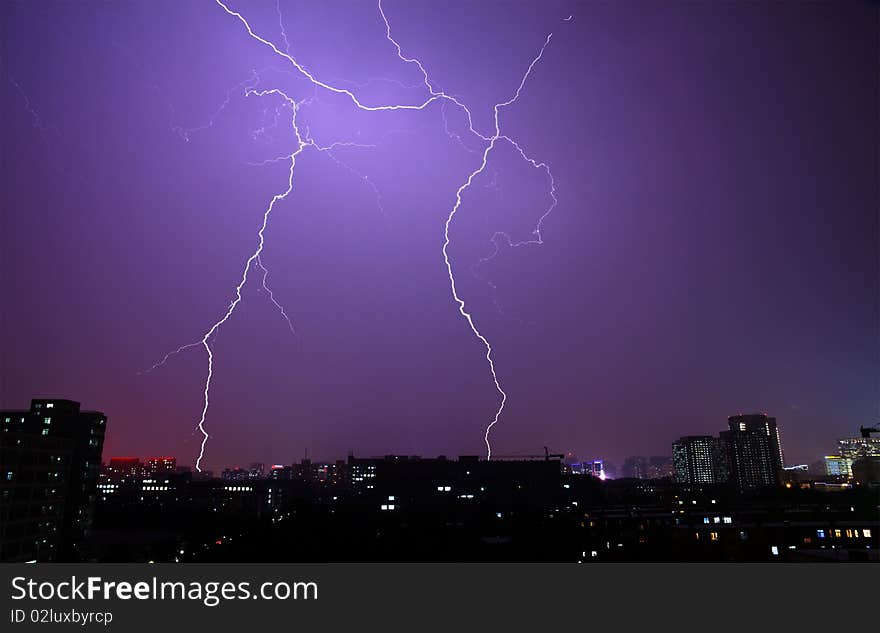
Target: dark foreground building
x=405, y=508
x=50, y=456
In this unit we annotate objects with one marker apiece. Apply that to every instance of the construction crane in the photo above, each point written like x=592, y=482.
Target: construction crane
x=867, y=430
x=547, y=456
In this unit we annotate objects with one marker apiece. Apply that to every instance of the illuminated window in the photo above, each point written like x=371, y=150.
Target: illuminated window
x=774, y=550
x=45, y=431
x=820, y=533
x=713, y=536
x=47, y=420
x=50, y=405
x=866, y=533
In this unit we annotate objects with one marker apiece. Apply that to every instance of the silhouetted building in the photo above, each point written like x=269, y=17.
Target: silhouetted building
x=699, y=459
x=51, y=456
x=638, y=467
x=866, y=470
x=154, y=466
x=753, y=451
x=280, y=471
x=659, y=467
x=123, y=469
x=235, y=474
x=635, y=468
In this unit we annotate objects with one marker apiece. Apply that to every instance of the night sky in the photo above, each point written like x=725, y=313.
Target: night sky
x=714, y=249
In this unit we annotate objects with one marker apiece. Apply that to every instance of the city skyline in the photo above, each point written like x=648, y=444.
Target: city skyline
x=713, y=250
x=849, y=448
x=726, y=498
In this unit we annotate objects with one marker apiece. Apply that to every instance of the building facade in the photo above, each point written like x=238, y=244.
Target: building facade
x=698, y=459
x=753, y=451
x=849, y=450
x=51, y=457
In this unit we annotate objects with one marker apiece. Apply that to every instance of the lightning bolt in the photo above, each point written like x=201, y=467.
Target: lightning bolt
x=458, y=199
x=272, y=295
x=304, y=141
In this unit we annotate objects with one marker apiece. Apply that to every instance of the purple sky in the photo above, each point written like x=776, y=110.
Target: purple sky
x=714, y=249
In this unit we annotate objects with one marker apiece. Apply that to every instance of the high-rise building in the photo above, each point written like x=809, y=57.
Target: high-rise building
x=698, y=459
x=850, y=449
x=50, y=456
x=753, y=450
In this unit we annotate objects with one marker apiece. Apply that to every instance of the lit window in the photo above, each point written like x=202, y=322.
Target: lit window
x=47, y=420
x=774, y=550
x=713, y=536
x=728, y=520
x=705, y=519
x=45, y=431
x=820, y=533
x=866, y=533
x=50, y=405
